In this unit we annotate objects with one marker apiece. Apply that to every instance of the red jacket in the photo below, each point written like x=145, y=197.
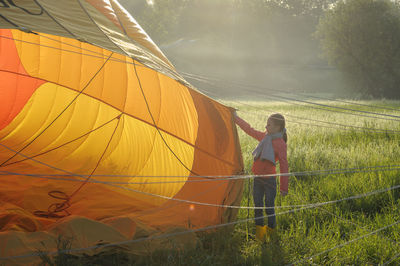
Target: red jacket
x=265, y=167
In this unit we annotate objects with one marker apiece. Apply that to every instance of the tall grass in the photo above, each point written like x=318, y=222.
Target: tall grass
x=303, y=234
x=310, y=232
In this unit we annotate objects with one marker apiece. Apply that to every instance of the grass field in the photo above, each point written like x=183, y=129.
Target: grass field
x=306, y=233
x=336, y=233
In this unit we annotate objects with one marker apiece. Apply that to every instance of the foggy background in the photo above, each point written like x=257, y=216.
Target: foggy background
x=269, y=44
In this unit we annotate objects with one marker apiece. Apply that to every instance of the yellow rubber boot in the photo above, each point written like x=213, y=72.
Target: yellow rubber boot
x=261, y=231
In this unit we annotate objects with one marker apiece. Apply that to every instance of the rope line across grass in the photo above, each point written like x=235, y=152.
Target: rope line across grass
x=392, y=259
x=368, y=169
x=247, y=86
x=335, y=125
x=224, y=177
x=339, y=126
x=313, y=205
x=347, y=243
x=214, y=227
x=157, y=195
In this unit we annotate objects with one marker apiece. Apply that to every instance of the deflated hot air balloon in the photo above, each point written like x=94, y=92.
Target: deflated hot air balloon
x=100, y=137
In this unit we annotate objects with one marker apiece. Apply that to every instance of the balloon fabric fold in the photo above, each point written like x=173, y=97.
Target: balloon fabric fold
x=99, y=134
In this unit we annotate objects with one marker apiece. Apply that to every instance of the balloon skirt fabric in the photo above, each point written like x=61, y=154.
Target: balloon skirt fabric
x=123, y=144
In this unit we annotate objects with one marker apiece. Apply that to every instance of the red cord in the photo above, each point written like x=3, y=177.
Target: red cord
x=55, y=209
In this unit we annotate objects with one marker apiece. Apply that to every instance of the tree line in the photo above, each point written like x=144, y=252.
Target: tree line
x=360, y=38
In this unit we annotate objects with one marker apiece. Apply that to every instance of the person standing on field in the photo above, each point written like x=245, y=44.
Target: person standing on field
x=270, y=149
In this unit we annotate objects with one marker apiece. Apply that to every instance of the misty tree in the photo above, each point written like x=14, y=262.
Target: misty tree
x=362, y=39
x=310, y=8
x=166, y=20
x=159, y=18
x=265, y=41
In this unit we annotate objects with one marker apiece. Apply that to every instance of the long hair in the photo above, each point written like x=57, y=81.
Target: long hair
x=280, y=121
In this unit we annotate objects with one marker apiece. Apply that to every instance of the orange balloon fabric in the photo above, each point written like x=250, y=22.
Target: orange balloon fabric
x=100, y=137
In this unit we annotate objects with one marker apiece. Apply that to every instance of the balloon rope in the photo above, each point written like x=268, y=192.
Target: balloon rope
x=56, y=208
x=56, y=21
x=339, y=126
x=245, y=86
x=101, y=157
x=256, y=89
x=155, y=125
x=119, y=185
x=213, y=81
x=168, y=235
x=140, y=85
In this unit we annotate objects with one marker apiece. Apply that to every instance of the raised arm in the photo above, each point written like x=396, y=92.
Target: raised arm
x=258, y=135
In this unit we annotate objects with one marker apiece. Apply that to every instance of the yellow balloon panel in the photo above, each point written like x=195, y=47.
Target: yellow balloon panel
x=114, y=110
x=119, y=81
x=46, y=104
x=49, y=57
x=76, y=141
